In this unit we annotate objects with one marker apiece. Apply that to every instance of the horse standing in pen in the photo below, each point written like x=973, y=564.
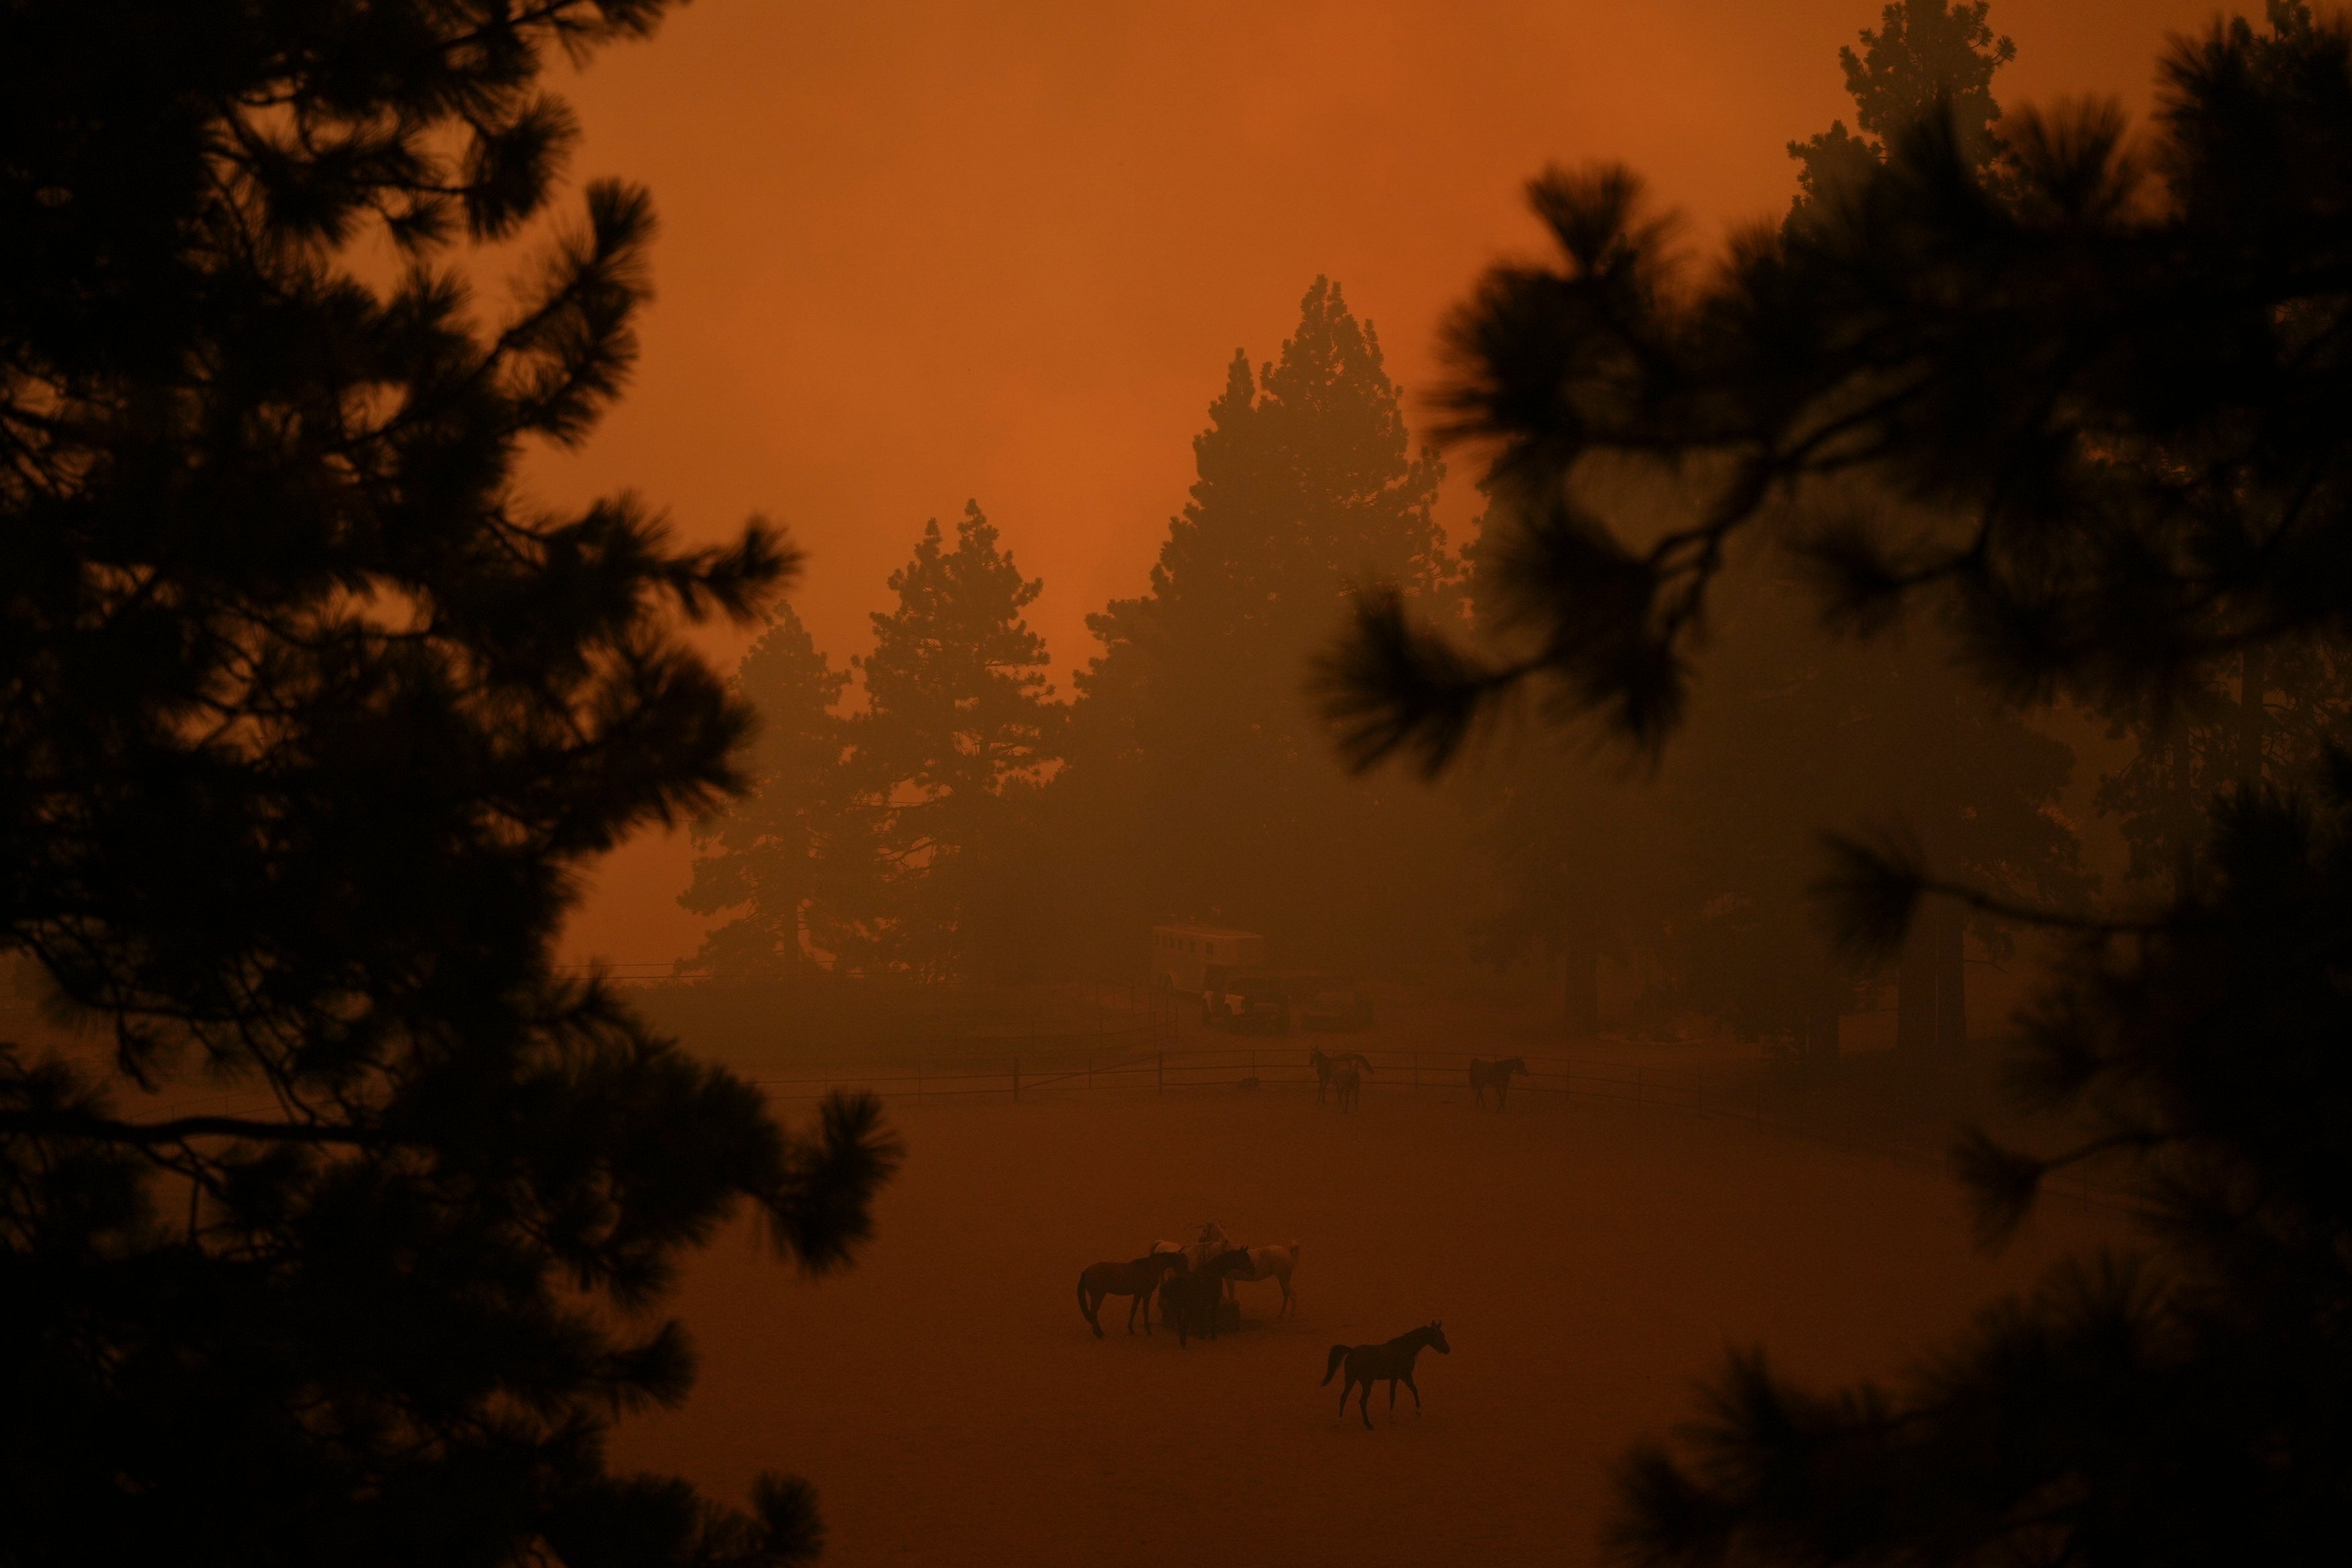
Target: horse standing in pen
x=1272, y=1263
x=1348, y=1079
x=1328, y=1068
x=1367, y=1364
x=1139, y=1279
x=1496, y=1076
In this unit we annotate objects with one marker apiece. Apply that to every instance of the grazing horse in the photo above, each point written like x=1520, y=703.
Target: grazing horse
x=1272, y=1263
x=1138, y=1279
x=1367, y=1364
x=1496, y=1076
x=1190, y=1300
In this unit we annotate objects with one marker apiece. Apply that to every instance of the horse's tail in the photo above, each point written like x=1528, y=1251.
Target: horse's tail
x=1338, y=1354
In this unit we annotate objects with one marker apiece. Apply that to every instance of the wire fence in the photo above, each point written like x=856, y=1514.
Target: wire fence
x=1548, y=1084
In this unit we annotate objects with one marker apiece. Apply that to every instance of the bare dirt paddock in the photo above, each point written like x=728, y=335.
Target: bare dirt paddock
x=1589, y=1262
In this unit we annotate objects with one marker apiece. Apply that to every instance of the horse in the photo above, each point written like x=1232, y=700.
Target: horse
x=1138, y=1279
x=1272, y=1263
x=1326, y=1068
x=1190, y=1300
x=1211, y=1241
x=1348, y=1079
x=1367, y=1364
x=1496, y=1076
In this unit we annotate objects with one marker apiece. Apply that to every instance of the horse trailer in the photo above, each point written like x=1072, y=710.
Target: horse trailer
x=1195, y=958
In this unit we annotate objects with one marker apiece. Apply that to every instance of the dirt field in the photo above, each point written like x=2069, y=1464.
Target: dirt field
x=952, y=1407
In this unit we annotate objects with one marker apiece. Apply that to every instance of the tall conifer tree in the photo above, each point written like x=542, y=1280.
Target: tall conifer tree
x=1198, y=745
x=765, y=856
x=2097, y=410
x=311, y=722
x=958, y=731
x=1927, y=58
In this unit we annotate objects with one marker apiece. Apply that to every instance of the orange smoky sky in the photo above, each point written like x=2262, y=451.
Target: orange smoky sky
x=916, y=251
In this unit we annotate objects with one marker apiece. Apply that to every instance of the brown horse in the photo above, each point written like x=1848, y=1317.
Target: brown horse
x=1496, y=1076
x=1329, y=1067
x=1367, y=1364
x=1138, y=1279
x=1348, y=1079
x=1190, y=1302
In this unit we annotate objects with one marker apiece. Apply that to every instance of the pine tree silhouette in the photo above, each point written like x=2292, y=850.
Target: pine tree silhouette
x=2089, y=417
x=1195, y=745
x=781, y=848
x=959, y=732
x=310, y=723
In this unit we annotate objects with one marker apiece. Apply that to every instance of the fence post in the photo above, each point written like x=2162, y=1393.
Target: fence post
x=1016, y=1079
x=1090, y=1069
x=1416, y=1069
x=1159, y=1075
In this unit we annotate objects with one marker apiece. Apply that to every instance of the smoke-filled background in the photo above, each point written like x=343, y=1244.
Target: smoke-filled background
x=921, y=254
x=1646, y=706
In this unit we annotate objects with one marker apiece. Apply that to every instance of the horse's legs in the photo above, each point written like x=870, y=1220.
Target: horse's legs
x=1090, y=1304
x=1346, y=1388
x=1416, y=1391
x=1364, y=1407
x=1392, y=1383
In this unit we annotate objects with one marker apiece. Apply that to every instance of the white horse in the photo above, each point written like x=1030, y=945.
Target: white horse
x=1272, y=1263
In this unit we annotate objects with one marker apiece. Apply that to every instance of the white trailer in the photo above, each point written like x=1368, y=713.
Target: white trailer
x=1189, y=958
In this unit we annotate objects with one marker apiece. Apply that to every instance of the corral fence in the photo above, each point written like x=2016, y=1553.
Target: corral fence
x=1549, y=1083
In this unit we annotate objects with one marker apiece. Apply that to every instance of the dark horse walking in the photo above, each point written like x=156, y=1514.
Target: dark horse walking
x=1367, y=1364
x=1496, y=1076
x=1138, y=1280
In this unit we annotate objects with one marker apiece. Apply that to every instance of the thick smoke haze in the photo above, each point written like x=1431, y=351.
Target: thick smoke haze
x=920, y=253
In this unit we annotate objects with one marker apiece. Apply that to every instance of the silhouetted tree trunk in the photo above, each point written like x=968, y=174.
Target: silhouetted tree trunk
x=2185, y=812
x=2254, y=715
x=1581, y=988
x=1817, y=1040
x=1949, y=927
x=1931, y=993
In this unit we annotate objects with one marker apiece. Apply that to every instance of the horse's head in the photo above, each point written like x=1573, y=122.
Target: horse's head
x=1436, y=1335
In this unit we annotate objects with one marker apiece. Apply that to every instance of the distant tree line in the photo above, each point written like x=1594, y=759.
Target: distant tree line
x=960, y=823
